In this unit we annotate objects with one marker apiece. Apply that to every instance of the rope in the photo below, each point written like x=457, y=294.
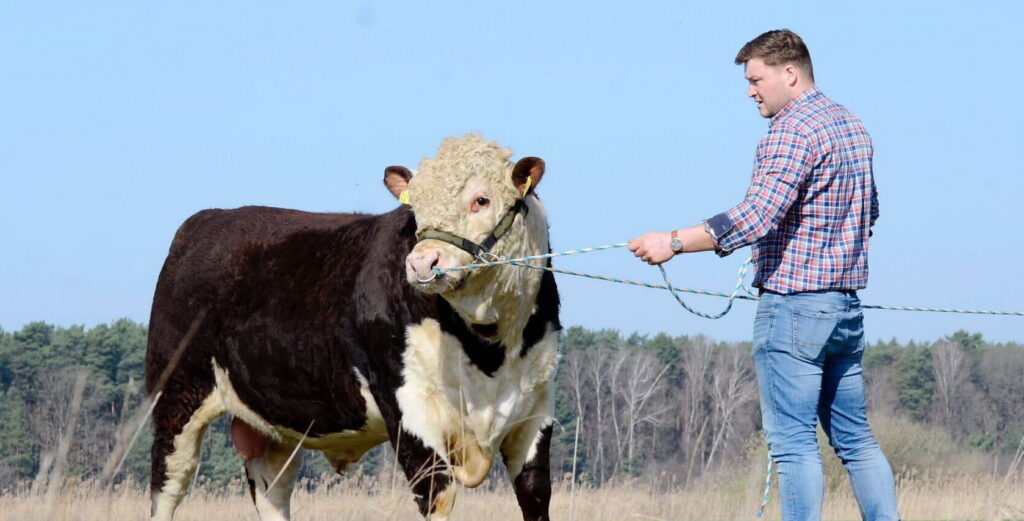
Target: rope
x=489, y=259
x=741, y=275
x=767, y=488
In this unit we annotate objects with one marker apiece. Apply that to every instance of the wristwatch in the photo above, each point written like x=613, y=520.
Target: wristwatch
x=676, y=243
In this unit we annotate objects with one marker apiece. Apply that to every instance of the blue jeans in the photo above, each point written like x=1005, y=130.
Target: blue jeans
x=807, y=353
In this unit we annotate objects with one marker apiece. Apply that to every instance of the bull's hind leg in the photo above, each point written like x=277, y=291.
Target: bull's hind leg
x=180, y=418
x=526, y=458
x=271, y=477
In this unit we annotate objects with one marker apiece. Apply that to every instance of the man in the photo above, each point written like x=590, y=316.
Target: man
x=807, y=213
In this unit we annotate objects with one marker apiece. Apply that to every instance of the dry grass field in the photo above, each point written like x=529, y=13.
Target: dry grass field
x=921, y=497
x=935, y=481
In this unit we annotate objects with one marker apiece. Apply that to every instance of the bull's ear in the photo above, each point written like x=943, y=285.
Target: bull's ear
x=396, y=178
x=527, y=173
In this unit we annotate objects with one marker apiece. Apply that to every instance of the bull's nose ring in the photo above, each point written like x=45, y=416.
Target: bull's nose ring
x=433, y=275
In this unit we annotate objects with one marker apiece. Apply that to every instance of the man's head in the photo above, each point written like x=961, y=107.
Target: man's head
x=778, y=68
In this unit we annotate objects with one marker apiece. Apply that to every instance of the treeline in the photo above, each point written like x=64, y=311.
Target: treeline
x=627, y=406
x=680, y=406
x=65, y=398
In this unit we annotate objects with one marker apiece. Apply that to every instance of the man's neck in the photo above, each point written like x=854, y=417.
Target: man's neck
x=801, y=88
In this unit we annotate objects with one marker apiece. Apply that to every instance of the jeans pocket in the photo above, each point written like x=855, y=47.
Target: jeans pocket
x=812, y=331
x=762, y=327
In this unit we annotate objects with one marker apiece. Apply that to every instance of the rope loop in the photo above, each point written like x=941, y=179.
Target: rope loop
x=732, y=296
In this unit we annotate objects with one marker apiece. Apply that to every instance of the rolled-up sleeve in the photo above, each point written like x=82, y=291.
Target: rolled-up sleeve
x=783, y=162
x=874, y=206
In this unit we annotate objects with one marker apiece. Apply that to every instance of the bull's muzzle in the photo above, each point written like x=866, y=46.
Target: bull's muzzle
x=420, y=264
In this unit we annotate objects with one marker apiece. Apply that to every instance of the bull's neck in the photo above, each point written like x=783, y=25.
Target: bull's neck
x=504, y=297
x=500, y=314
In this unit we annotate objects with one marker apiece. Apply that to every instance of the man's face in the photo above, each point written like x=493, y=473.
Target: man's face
x=769, y=86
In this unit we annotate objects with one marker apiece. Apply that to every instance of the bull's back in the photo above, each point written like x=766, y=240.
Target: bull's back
x=209, y=245
x=203, y=261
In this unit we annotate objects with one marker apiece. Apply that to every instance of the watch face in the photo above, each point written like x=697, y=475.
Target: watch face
x=676, y=244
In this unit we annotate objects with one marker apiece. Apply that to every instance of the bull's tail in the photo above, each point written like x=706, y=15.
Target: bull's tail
x=178, y=425
x=186, y=404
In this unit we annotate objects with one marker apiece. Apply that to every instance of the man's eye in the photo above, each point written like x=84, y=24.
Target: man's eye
x=482, y=201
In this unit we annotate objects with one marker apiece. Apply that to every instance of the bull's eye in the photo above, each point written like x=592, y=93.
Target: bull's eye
x=479, y=203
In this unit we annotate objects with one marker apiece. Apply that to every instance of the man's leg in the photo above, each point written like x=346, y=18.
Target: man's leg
x=790, y=335
x=844, y=419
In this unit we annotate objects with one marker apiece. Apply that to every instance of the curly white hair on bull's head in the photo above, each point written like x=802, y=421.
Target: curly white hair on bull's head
x=465, y=192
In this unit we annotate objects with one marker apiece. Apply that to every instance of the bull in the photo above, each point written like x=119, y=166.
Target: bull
x=338, y=332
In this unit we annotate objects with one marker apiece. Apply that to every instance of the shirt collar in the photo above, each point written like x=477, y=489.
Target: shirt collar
x=804, y=97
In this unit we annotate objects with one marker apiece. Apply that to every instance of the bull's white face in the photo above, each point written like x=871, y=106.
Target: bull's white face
x=478, y=207
x=465, y=191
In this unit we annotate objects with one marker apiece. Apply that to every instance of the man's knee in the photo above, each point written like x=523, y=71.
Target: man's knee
x=791, y=446
x=859, y=448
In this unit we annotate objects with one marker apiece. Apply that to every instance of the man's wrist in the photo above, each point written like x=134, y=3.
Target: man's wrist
x=675, y=243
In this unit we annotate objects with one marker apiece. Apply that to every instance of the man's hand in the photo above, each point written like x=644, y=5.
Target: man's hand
x=652, y=248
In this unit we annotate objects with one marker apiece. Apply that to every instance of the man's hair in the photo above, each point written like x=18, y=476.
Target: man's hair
x=778, y=47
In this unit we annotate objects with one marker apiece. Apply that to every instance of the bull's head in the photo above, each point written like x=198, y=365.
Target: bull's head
x=471, y=201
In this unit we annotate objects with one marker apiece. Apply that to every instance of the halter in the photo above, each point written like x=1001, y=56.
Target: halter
x=470, y=247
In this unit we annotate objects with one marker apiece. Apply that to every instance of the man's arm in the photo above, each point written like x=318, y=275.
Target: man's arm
x=784, y=160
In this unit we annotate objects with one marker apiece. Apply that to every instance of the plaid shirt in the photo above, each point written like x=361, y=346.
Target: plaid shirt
x=811, y=202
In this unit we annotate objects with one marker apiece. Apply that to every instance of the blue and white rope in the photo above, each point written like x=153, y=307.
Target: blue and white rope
x=524, y=262
x=767, y=488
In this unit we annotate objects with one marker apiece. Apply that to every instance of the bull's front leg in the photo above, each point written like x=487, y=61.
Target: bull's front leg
x=428, y=475
x=526, y=453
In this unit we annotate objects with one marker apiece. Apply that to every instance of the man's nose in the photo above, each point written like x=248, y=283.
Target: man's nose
x=751, y=92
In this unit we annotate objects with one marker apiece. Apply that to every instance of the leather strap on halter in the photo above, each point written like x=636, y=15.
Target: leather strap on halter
x=471, y=247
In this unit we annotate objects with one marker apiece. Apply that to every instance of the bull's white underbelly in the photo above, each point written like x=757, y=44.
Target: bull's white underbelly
x=445, y=397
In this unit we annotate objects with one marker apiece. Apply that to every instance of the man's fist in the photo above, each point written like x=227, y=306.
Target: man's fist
x=652, y=248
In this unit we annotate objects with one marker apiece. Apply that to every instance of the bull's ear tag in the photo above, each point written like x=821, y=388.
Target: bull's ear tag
x=404, y=197
x=529, y=183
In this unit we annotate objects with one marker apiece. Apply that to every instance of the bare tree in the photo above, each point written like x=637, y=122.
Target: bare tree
x=573, y=372
x=882, y=395
x=951, y=374
x=732, y=388
x=637, y=380
x=53, y=417
x=613, y=405
x=598, y=364
x=1000, y=371
x=697, y=358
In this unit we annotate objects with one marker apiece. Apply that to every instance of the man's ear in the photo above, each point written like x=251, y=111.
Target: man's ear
x=792, y=75
x=396, y=178
x=527, y=173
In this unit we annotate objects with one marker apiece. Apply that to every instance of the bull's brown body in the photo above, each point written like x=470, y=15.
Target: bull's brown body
x=299, y=323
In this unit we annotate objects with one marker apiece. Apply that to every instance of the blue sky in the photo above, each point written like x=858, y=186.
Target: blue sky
x=118, y=120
